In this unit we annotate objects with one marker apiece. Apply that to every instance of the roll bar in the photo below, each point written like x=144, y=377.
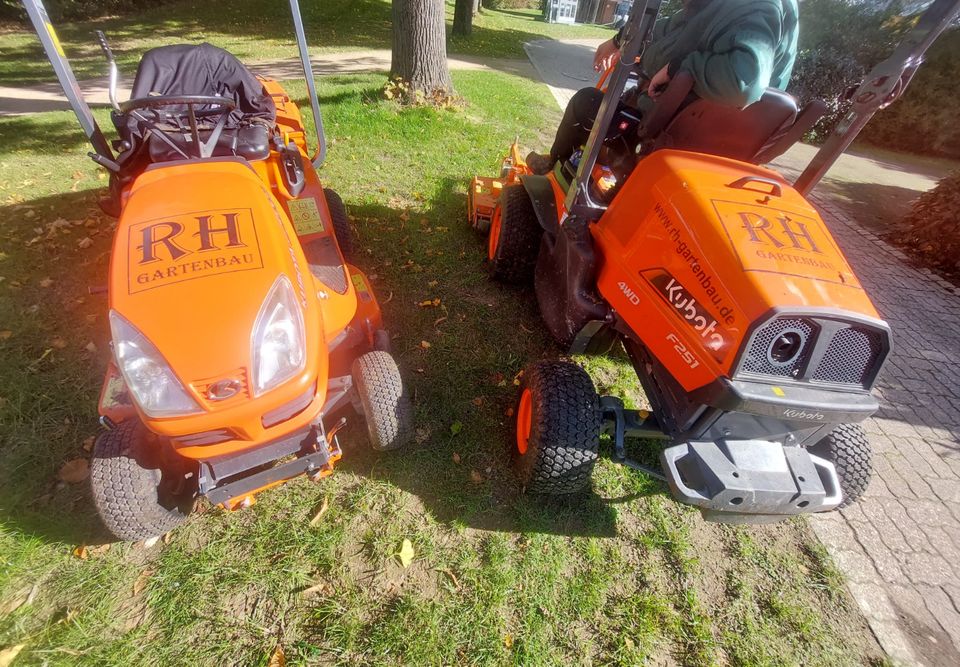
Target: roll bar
x=61, y=67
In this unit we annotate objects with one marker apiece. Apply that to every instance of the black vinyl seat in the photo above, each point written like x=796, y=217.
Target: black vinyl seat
x=757, y=133
x=203, y=69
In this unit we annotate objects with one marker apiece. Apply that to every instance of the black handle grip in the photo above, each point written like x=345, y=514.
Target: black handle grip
x=741, y=183
x=104, y=46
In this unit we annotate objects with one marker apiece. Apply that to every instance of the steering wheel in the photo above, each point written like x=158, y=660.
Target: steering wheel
x=225, y=104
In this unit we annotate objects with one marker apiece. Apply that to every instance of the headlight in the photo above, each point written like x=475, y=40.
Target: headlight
x=155, y=388
x=278, y=338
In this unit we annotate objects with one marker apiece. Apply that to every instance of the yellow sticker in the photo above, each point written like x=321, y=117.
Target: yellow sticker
x=359, y=283
x=306, y=216
x=56, y=40
x=778, y=391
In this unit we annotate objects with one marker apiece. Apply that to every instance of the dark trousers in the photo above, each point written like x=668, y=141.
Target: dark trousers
x=576, y=124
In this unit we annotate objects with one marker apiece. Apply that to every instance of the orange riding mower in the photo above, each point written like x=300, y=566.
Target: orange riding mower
x=242, y=336
x=754, y=342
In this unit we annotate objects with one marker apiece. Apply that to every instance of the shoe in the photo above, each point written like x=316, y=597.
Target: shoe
x=539, y=164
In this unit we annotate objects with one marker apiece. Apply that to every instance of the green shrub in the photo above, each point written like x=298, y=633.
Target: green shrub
x=931, y=232
x=60, y=10
x=513, y=4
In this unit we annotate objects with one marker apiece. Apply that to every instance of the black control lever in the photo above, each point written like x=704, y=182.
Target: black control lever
x=104, y=46
x=293, y=172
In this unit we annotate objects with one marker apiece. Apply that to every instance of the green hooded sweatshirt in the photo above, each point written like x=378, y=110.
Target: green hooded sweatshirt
x=735, y=49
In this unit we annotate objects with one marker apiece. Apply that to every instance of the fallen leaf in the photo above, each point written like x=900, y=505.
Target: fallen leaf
x=508, y=412
x=323, y=510
x=5, y=334
x=74, y=471
x=422, y=435
x=425, y=345
x=91, y=347
x=167, y=537
x=15, y=602
x=455, y=428
x=406, y=553
x=429, y=303
x=88, y=443
x=141, y=581
x=46, y=282
x=151, y=541
x=433, y=283
x=317, y=588
x=98, y=550
x=58, y=343
x=85, y=242
x=456, y=458
x=508, y=640
x=516, y=378
x=478, y=401
x=476, y=477
x=9, y=654
x=80, y=552
x=278, y=659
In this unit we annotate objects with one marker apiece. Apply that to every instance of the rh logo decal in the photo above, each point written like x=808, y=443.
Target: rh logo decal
x=195, y=245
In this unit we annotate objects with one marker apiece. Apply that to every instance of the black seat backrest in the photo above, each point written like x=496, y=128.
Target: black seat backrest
x=757, y=133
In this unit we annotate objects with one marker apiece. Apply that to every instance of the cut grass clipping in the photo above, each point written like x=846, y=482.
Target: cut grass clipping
x=424, y=556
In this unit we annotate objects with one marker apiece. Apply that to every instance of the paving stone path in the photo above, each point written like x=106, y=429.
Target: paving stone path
x=900, y=546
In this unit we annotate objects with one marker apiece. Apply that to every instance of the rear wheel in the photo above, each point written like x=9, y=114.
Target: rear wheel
x=346, y=238
x=386, y=405
x=558, y=428
x=135, y=498
x=514, y=237
x=849, y=450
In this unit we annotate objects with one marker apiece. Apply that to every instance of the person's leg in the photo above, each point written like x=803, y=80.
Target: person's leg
x=576, y=124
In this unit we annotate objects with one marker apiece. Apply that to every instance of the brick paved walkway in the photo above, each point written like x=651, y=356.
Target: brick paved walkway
x=900, y=546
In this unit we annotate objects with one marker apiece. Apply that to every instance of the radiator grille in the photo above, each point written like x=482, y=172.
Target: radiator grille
x=851, y=356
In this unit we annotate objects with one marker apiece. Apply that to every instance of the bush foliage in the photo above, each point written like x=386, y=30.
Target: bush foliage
x=931, y=232
x=513, y=4
x=59, y=10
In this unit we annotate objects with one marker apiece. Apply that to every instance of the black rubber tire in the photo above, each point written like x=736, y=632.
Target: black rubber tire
x=386, y=405
x=126, y=486
x=849, y=450
x=346, y=238
x=565, y=429
x=515, y=257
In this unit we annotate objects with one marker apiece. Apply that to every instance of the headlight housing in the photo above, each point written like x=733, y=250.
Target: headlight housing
x=150, y=379
x=278, y=342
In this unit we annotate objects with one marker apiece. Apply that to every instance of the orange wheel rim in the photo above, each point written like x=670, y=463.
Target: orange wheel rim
x=524, y=420
x=494, y=240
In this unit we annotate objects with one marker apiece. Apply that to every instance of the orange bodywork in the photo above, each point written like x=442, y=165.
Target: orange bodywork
x=696, y=248
x=198, y=247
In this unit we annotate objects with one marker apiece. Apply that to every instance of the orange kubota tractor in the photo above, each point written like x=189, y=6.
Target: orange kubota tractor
x=754, y=342
x=242, y=336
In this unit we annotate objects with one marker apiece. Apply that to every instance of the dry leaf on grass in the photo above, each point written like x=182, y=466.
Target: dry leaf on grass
x=476, y=477
x=151, y=542
x=58, y=343
x=46, y=282
x=9, y=654
x=80, y=552
x=85, y=242
x=406, y=553
x=75, y=471
x=425, y=345
x=317, y=589
x=141, y=581
x=5, y=334
x=456, y=458
x=278, y=659
x=323, y=510
x=91, y=348
x=508, y=640
x=88, y=443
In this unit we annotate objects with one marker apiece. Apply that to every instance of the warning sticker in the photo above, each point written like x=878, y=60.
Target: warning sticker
x=361, y=286
x=306, y=216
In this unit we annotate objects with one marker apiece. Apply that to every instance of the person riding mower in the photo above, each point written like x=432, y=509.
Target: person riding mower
x=734, y=49
x=242, y=336
x=753, y=340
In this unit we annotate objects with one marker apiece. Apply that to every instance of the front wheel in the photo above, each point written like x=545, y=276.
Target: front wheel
x=558, y=428
x=849, y=450
x=385, y=403
x=346, y=238
x=135, y=496
x=514, y=241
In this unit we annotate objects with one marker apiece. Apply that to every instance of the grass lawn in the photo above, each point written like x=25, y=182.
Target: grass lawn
x=622, y=575
x=259, y=30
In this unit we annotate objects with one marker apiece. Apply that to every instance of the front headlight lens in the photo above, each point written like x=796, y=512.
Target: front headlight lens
x=150, y=379
x=279, y=345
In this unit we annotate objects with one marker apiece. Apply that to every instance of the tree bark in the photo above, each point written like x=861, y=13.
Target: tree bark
x=478, y=3
x=419, y=46
x=463, y=17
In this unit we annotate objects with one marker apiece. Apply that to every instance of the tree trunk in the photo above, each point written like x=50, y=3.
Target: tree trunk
x=477, y=3
x=420, y=48
x=463, y=17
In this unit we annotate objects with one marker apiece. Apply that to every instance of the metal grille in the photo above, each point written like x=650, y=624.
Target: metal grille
x=852, y=354
x=759, y=360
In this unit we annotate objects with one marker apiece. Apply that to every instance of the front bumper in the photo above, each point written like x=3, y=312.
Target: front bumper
x=750, y=481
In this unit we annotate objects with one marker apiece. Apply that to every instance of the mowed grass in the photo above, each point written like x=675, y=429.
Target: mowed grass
x=621, y=575
x=259, y=30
